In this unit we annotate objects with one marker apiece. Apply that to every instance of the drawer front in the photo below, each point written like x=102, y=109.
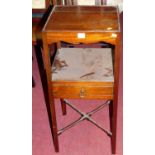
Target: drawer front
x=83, y=92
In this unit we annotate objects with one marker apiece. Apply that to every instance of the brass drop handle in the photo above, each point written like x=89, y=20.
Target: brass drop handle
x=82, y=93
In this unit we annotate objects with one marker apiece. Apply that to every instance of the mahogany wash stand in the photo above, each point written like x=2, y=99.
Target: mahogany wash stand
x=83, y=73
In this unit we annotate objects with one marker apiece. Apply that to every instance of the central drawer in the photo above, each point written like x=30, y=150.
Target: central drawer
x=75, y=90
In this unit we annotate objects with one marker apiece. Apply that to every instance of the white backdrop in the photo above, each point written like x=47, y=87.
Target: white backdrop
x=109, y=2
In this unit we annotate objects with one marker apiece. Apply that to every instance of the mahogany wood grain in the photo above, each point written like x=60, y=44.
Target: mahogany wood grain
x=91, y=37
x=99, y=24
x=47, y=65
x=79, y=18
x=115, y=100
x=91, y=90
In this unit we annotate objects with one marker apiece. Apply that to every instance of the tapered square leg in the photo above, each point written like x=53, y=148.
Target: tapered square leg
x=113, y=127
x=54, y=125
x=63, y=106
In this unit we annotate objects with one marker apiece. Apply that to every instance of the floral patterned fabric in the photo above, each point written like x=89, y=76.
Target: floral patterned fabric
x=83, y=64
